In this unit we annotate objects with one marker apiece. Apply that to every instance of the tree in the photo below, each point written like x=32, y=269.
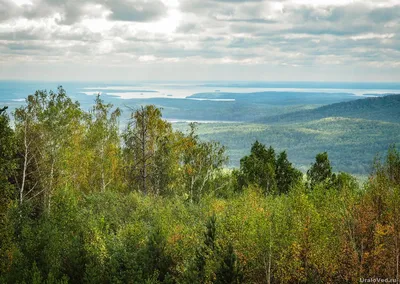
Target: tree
x=7, y=167
x=229, y=271
x=379, y=219
x=259, y=168
x=45, y=129
x=392, y=165
x=103, y=143
x=145, y=138
x=7, y=160
x=166, y=164
x=3, y=109
x=320, y=171
x=30, y=142
x=200, y=162
x=286, y=175
x=157, y=262
x=197, y=272
x=343, y=181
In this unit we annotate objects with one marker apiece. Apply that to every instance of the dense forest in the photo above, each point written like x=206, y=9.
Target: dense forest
x=385, y=108
x=360, y=128
x=341, y=137
x=83, y=202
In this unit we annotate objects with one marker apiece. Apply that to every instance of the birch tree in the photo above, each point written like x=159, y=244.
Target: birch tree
x=45, y=126
x=29, y=142
x=104, y=145
x=200, y=161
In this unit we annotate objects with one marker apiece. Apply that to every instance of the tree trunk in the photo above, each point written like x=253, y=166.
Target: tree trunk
x=397, y=266
x=144, y=173
x=396, y=243
x=103, y=182
x=50, y=189
x=270, y=254
x=21, y=192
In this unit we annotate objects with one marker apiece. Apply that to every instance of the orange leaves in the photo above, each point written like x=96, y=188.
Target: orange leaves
x=218, y=206
x=176, y=234
x=189, y=170
x=382, y=256
x=174, y=238
x=10, y=257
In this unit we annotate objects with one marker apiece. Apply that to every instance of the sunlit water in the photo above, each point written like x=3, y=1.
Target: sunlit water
x=13, y=93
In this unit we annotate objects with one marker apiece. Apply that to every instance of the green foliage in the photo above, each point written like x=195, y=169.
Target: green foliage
x=344, y=181
x=210, y=234
x=383, y=108
x=103, y=142
x=286, y=175
x=262, y=168
x=157, y=262
x=7, y=187
x=198, y=271
x=7, y=160
x=45, y=129
x=3, y=109
x=97, y=232
x=229, y=270
x=391, y=167
x=259, y=168
x=320, y=171
x=158, y=158
x=146, y=140
x=131, y=238
x=359, y=139
x=201, y=162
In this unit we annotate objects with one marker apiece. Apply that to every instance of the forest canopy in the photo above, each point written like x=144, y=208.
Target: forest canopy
x=83, y=202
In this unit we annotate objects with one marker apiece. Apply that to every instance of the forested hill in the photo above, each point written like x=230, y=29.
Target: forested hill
x=280, y=98
x=385, y=108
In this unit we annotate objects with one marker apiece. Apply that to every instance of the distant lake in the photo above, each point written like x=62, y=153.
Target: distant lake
x=13, y=93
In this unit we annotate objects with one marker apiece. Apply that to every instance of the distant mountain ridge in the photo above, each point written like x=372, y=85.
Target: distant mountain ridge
x=280, y=98
x=386, y=108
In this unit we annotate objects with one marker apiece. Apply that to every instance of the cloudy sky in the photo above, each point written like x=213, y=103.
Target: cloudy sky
x=270, y=40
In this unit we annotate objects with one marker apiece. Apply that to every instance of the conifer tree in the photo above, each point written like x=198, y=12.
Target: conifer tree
x=259, y=168
x=320, y=171
x=157, y=262
x=286, y=175
x=229, y=271
x=204, y=253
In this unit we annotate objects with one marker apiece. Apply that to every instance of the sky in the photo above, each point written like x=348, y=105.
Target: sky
x=255, y=40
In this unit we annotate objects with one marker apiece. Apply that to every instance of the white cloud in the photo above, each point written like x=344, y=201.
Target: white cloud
x=372, y=36
x=256, y=34
x=323, y=2
x=22, y=2
x=147, y=58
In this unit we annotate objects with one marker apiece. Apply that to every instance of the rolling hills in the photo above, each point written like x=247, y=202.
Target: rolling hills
x=386, y=108
x=360, y=129
x=342, y=138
